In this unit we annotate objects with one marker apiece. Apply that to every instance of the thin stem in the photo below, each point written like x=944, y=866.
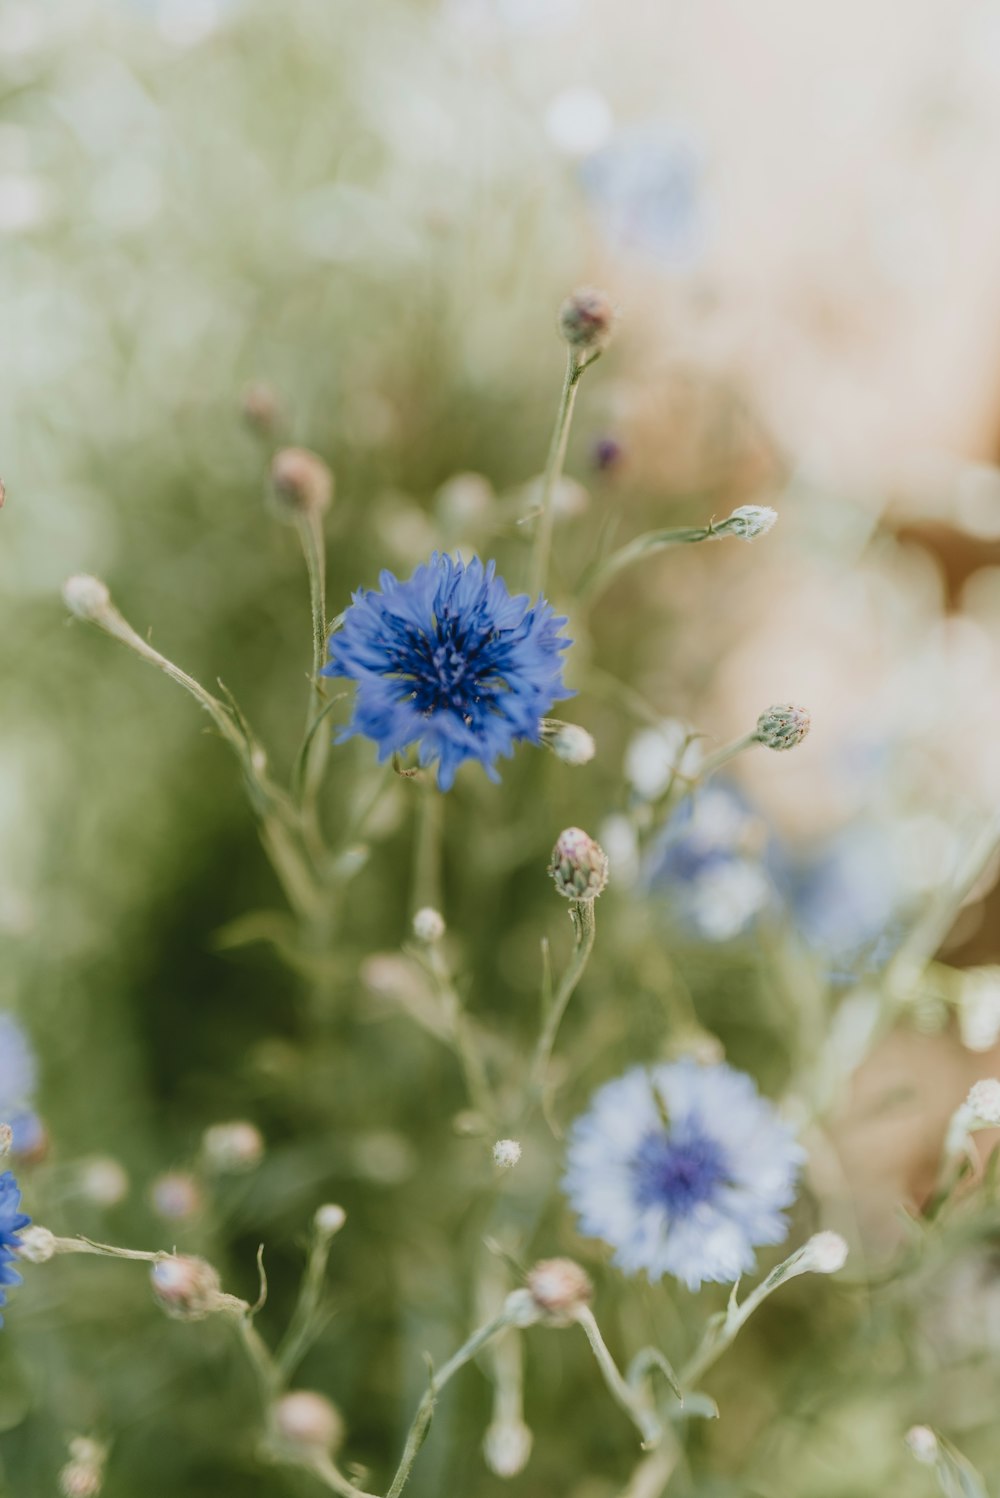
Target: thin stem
x=425, y=1410
x=585, y=924
x=306, y=1322
x=325, y=1470
x=713, y=762
x=462, y=1037
x=542, y=548
x=427, y=854
x=309, y=524
x=630, y=1400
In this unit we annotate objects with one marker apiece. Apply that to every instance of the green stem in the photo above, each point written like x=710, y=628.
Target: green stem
x=602, y=573
x=309, y=524
x=542, y=548
x=306, y=1320
x=427, y=854
x=470, y=1060
x=713, y=762
x=630, y=1400
x=585, y=922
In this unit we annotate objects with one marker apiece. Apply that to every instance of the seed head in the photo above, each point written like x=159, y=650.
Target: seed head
x=261, y=407
x=782, y=726
x=579, y=866
x=309, y=1420
x=85, y=596
x=428, y=925
x=186, y=1287
x=302, y=482
x=586, y=320
x=559, y=1288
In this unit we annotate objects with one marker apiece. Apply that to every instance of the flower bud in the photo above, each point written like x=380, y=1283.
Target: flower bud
x=923, y=1444
x=85, y=596
x=176, y=1196
x=750, y=521
x=186, y=1287
x=428, y=925
x=783, y=726
x=579, y=866
x=37, y=1245
x=308, y=1420
x=301, y=481
x=506, y=1153
x=586, y=320
x=506, y=1447
x=569, y=742
x=825, y=1253
x=559, y=1288
x=329, y=1219
x=104, y=1181
x=984, y=1102
x=232, y=1147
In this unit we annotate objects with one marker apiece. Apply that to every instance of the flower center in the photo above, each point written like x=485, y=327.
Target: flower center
x=452, y=667
x=678, y=1170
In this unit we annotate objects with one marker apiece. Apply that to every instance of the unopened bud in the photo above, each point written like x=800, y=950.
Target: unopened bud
x=302, y=482
x=559, y=1289
x=579, y=866
x=85, y=596
x=782, y=726
x=506, y=1447
x=36, y=1245
x=923, y=1444
x=176, y=1196
x=305, y=1419
x=232, y=1147
x=750, y=521
x=428, y=925
x=586, y=320
x=329, y=1219
x=506, y=1154
x=186, y=1287
x=569, y=742
x=984, y=1102
x=104, y=1181
x=825, y=1253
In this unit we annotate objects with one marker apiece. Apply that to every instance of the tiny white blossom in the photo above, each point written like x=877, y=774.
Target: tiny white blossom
x=329, y=1219
x=506, y=1153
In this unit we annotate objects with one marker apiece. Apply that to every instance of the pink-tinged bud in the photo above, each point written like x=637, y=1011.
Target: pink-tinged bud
x=579, y=866
x=186, y=1287
x=586, y=320
x=559, y=1289
x=302, y=482
x=307, y=1420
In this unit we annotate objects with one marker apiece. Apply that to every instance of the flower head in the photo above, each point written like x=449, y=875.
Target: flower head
x=12, y=1220
x=450, y=661
x=684, y=1169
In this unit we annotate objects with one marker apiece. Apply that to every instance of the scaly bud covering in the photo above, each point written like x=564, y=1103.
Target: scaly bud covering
x=586, y=320
x=782, y=726
x=579, y=866
x=305, y=1419
x=559, y=1288
x=85, y=596
x=233, y=1147
x=506, y=1153
x=984, y=1102
x=428, y=925
x=186, y=1287
x=750, y=521
x=302, y=482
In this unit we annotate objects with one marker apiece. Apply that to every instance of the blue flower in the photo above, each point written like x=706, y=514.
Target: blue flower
x=647, y=193
x=450, y=661
x=12, y=1220
x=683, y=1169
x=709, y=862
x=18, y=1077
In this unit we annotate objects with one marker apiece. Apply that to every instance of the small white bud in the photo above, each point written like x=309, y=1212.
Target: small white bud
x=305, y=1419
x=506, y=1447
x=6, y=1138
x=233, y=1147
x=104, y=1181
x=329, y=1219
x=559, y=1288
x=428, y=925
x=36, y=1245
x=923, y=1444
x=782, y=726
x=506, y=1153
x=186, y=1287
x=825, y=1253
x=579, y=866
x=984, y=1102
x=750, y=521
x=85, y=596
x=571, y=743
x=176, y=1196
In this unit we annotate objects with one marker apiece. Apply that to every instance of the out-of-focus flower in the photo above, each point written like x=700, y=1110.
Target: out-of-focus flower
x=104, y=1180
x=645, y=191
x=306, y=1419
x=18, y=1072
x=559, y=1288
x=12, y=1220
x=923, y=1444
x=176, y=1196
x=506, y=1153
x=450, y=661
x=844, y=896
x=507, y=1446
x=586, y=319
x=655, y=755
x=428, y=925
x=233, y=1147
x=579, y=121
x=569, y=742
x=684, y=1170
x=708, y=861
x=186, y=1287
x=825, y=1253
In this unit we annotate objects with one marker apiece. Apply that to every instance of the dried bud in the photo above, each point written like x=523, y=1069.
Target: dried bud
x=186, y=1287
x=783, y=726
x=586, y=320
x=305, y=1419
x=302, y=482
x=559, y=1288
x=825, y=1253
x=923, y=1444
x=506, y=1447
x=232, y=1147
x=569, y=742
x=104, y=1181
x=85, y=596
x=329, y=1219
x=579, y=866
x=984, y=1102
x=428, y=925
x=37, y=1245
x=750, y=521
x=176, y=1196
x=506, y=1153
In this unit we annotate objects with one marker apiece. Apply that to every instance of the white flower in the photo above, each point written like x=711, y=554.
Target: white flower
x=233, y=1147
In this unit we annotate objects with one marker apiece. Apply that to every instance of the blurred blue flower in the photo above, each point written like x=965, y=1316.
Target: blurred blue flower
x=18, y=1072
x=683, y=1169
x=12, y=1220
x=450, y=661
x=645, y=190
x=845, y=898
x=709, y=861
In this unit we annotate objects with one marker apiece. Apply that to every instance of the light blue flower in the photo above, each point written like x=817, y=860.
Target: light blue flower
x=12, y=1220
x=18, y=1072
x=647, y=196
x=450, y=661
x=684, y=1169
x=709, y=863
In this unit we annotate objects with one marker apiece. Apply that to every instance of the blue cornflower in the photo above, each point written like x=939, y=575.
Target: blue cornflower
x=683, y=1169
x=450, y=661
x=708, y=861
x=12, y=1220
